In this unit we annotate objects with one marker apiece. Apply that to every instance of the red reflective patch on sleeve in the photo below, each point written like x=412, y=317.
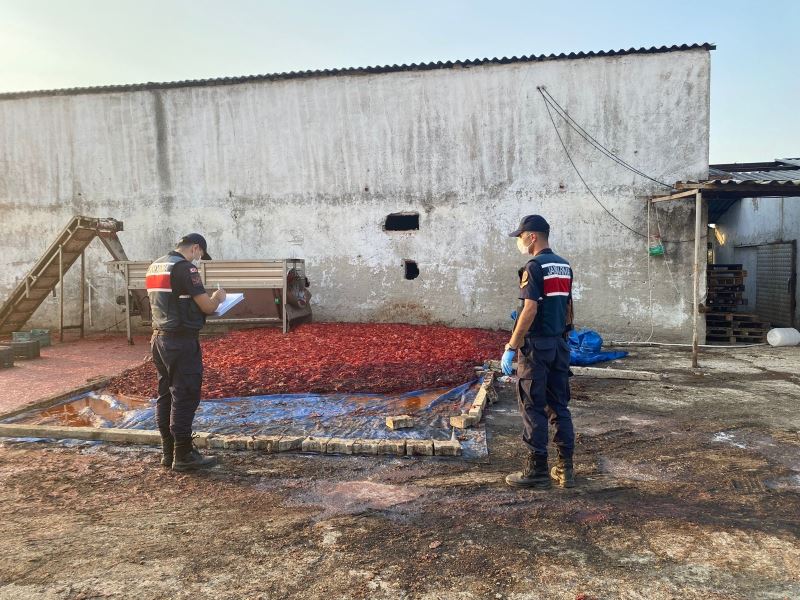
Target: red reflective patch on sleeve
x=158, y=281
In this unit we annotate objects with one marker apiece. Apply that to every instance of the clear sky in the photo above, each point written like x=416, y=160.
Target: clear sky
x=755, y=84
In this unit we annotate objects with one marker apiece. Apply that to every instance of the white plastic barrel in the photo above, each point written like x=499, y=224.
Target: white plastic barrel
x=784, y=336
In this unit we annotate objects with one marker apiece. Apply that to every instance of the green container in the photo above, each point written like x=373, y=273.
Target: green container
x=25, y=350
x=43, y=335
x=6, y=357
x=21, y=336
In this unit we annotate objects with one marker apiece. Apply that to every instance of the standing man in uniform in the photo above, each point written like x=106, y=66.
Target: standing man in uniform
x=179, y=304
x=539, y=342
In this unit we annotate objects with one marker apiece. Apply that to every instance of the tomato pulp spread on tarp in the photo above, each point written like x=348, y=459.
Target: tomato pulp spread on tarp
x=332, y=357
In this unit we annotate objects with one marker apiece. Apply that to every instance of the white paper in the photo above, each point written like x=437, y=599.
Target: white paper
x=231, y=300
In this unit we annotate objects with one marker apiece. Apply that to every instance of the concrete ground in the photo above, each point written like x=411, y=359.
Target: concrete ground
x=688, y=488
x=67, y=365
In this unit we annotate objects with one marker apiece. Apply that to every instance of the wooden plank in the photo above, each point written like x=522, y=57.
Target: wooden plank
x=601, y=372
x=677, y=196
x=49, y=401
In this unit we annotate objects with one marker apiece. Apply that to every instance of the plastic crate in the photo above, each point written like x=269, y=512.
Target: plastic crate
x=6, y=357
x=43, y=335
x=26, y=350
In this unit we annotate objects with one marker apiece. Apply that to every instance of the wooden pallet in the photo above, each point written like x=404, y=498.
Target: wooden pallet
x=734, y=339
x=736, y=331
x=727, y=280
x=732, y=316
x=721, y=303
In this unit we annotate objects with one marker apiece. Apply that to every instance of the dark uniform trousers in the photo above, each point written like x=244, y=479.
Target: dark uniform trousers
x=543, y=394
x=180, y=376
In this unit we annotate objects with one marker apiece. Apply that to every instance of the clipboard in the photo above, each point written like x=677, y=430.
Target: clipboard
x=231, y=300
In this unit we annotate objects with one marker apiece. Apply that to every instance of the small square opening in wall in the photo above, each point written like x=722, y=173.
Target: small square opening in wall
x=402, y=222
x=411, y=269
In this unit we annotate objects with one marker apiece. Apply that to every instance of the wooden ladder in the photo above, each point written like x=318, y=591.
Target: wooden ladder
x=48, y=272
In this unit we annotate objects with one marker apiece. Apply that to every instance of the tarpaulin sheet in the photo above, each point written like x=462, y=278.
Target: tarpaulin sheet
x=334, y=415
x=584, y=348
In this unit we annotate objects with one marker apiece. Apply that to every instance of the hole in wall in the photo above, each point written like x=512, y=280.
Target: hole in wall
x=402, y=222
x=411, y=269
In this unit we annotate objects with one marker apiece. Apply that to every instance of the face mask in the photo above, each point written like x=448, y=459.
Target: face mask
x=522, y=246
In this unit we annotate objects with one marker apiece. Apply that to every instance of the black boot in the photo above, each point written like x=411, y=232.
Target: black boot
x=533, y=475
x=187, y=456
x=167, y=447
x=563, y=473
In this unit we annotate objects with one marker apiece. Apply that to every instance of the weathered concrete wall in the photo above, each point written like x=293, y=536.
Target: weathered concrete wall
x=754, y=221
x=311, y=167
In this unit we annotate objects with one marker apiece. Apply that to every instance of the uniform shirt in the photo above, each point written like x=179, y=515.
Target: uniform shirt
x=548, y=282
x=186, y=279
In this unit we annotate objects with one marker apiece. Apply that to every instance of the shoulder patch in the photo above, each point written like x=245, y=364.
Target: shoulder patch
x=193, y=270
x=524, y=281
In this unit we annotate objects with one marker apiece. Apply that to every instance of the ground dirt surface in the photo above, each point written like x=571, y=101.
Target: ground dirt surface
x=687, y=488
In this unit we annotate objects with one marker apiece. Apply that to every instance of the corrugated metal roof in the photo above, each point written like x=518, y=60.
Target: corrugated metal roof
x=430, y=66
x=781, y=171
x=748, y=182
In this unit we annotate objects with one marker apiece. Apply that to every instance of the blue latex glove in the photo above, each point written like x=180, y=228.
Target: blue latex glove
x=513, y=315
x=505, y=362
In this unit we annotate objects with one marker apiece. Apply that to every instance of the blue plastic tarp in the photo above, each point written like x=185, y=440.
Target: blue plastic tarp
x=585, y=348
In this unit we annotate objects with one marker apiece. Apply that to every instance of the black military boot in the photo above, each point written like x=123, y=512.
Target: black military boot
x=187, y=457
x=167, y=447
x=562, y=473
x=533, y=475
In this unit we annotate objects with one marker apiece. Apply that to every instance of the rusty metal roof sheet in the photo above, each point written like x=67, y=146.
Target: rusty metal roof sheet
x=783, y=171
x=430, y=66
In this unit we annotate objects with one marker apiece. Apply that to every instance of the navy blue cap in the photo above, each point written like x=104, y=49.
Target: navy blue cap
x=195, y=238
x=531, y=223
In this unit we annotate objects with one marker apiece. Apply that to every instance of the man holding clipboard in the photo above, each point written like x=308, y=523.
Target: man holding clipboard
x=179, y=305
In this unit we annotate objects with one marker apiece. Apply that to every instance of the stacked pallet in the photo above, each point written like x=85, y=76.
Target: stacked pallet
x=723, y=324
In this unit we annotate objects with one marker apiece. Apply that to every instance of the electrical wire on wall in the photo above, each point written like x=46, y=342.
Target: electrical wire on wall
x=551, y=105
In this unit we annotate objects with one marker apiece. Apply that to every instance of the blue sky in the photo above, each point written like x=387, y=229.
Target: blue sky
x=755, y=88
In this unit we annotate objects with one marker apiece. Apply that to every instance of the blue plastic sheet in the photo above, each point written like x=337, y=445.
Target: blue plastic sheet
x=332, y=415
x=585, y=348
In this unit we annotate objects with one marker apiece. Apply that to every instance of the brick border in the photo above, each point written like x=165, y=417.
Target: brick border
x=486, y=395
x=267, y=444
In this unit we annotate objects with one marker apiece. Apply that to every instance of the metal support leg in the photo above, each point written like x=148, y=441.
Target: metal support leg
x=83, y=292
x=128, y=308
x=698, y=223
x=283, y=306
x=60, y=293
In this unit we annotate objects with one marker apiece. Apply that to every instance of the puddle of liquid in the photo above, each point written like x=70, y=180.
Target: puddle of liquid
x=89, y=411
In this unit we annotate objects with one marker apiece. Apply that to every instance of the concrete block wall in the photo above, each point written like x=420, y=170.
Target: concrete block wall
x=311, y=167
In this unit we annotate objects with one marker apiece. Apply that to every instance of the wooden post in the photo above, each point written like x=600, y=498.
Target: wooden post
x=83, y=291
x=698, y=223
x=61, y=293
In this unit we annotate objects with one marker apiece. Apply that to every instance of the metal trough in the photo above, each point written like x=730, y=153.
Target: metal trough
x=275, y=290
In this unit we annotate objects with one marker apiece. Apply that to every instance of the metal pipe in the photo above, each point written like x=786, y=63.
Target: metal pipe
x=698, y=223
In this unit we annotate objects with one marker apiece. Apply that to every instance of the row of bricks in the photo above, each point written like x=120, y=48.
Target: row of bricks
x=332, y=445
x=482, y=398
